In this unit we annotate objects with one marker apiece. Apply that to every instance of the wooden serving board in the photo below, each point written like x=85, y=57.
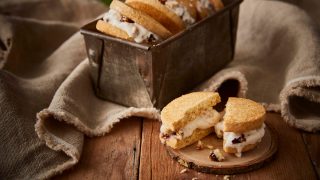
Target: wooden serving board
x=199, y=159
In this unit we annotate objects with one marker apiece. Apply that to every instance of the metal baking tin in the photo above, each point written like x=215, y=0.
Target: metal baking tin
x=147, y=75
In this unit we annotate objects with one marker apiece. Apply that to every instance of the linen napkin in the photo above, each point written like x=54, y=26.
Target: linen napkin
x=277, y=62
x=45, y=70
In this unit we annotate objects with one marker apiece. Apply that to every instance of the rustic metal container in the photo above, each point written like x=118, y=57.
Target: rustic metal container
x=146, y=75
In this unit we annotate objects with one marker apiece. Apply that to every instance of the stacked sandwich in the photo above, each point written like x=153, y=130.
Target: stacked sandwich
x=148, y=21
x=191, y=117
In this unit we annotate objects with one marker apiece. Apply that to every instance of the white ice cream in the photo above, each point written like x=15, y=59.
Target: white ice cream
x=206, y=120
x=252, y=137
x=203, y=4
x=218, y=128
x=134, y=30
x=180, y=11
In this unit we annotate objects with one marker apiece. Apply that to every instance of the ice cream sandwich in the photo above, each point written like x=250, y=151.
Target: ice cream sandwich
x=242, y=126
x=188, y=119
x=125, y=22
x=175, y=15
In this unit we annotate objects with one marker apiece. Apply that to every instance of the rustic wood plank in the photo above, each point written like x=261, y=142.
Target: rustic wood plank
x=291, y=161
x=312, y=142
x=113, y=156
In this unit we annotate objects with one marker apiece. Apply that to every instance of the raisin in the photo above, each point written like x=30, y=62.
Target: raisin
x=162, y=1
x=126, y=19
x=151, y=38
x=213, y=157
x=239, y=139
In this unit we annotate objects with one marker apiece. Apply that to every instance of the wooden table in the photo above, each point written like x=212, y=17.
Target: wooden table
x=132, y=150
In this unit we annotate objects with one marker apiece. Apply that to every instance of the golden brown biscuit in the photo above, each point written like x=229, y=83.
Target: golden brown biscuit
x=178, y=144
x=190, y=7
x=184, y=109
x=111, y=30
x=140, y=18
x=189, y=118
x=218, y=4
x=159, y=12
x=242, y=115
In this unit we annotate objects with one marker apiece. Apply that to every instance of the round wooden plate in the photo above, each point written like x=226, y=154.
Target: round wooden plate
x=199, y=159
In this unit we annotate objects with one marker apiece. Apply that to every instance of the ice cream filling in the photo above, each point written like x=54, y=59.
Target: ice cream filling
x=134, y=30
x=239, y=141
x=180, y=11
x=204, y=4
x=206, y=120
x=218, y=128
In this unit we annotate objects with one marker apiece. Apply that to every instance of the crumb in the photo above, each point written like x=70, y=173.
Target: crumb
x=209, y=147
x=238, y=154
x=179, y=135
x=183, y=171
x=195, y=178
x=217, y=175
x=200, y=145
x=226, y=177
x=216, y=155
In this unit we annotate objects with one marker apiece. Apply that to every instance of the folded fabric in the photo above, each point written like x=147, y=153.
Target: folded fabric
x=46, y=71
x=277, y=62
x=36, y=57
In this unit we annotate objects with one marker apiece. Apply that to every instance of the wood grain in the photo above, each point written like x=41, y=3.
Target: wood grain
x=117, y=155
x=312, y=142
x=113, y=156
x=291, y=161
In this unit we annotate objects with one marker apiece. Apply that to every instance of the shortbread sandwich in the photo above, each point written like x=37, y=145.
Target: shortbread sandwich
x=175, y=15
x=125, y=22
x=189, y=118
x=242, y=125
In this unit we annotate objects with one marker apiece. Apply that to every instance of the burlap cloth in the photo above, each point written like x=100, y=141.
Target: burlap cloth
x=47, y=102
